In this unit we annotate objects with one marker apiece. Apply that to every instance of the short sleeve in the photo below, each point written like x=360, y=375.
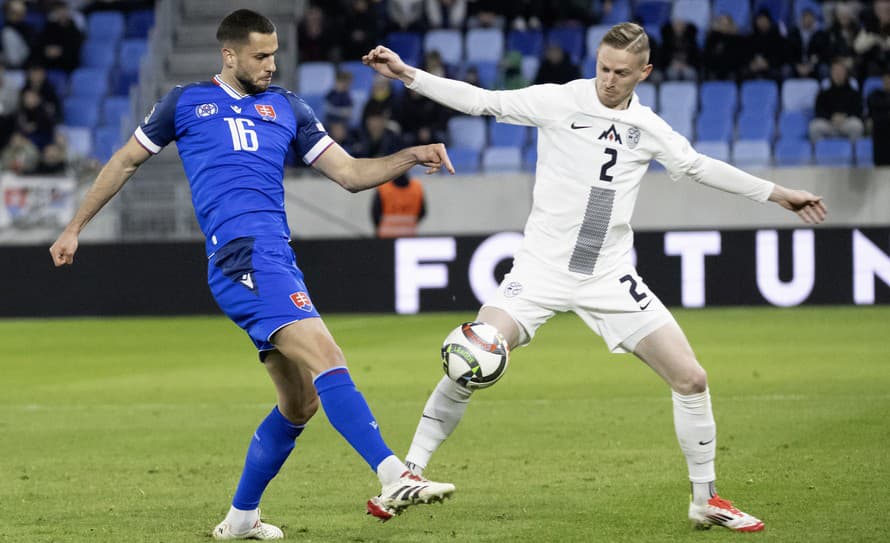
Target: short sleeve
x=311, y=138
x=158, y=128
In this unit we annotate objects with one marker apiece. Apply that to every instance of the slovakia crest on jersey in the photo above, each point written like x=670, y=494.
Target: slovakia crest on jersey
x=301, y=300
x=206, y=110
x=633, y=136
x=611, y=134
x=267, y=112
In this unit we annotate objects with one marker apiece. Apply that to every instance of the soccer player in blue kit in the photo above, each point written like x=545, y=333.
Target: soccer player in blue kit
x=233, y=134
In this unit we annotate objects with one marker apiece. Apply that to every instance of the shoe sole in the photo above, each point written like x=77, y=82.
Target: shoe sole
x=699, y=525
x=384, y=513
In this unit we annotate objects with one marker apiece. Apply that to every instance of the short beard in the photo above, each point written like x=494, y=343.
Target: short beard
x=249, y=86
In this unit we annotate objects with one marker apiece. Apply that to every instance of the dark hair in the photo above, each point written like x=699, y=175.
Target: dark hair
x=238, y=25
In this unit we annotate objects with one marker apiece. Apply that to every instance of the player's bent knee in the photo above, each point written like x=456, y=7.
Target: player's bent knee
x=301, y=410
x=693, y=381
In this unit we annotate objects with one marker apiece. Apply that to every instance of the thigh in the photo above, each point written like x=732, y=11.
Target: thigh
x=668, y=353
x=309, y=343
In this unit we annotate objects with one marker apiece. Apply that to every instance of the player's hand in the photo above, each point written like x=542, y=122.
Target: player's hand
x=810, y=208
x=434, y=156
x=387, y=62
x=62, y=251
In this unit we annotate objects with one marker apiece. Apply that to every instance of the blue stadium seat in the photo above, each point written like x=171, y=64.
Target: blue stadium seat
x=409, y=46
x=812, y=5
x=870, y=85
x=81, y=111
x=528, y=42
x=756, y=125
x=106, y=140
x=122, y=81
x=654, y=32
x=799, y=94
x=779, y=10
x=678, y=95
x=464, y=159
x=793, y=152
x=593, y=37
x=484, y=44
x=713, y=127
x=836, y=152
x=794, y=125
x=697, y=12
x=714, y=149
x=502, y=159
x=530, y=158
x=648, y=95
x=130, y=54
x=97, y=54
x=719, y=97
x=487, y=70
x=79, y=141
x=761, y=95
x=362, y=76
x=588, y=67
x=503, y=134
x=114, y=108
x=653, y=12
x=739, y=11
x=88, y=82
x=316, y=102
x=359, y=99
x=530, y=67
x=34, y=18
x=448, y=42
x=570, y=38
x=466, y=131
x=679, y=120
x=59, y=80
x=751, y=154
x=315, y=77
x=138, y=23
x=864, y=152
x=621, y=12
x=106, y=26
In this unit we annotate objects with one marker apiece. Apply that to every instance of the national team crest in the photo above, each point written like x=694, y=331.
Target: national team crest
x=301, y=300
x=633, y=136
x=206, y=110
x=611, y=134
x=267, y=112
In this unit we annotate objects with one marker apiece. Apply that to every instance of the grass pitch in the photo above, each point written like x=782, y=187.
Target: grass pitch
x=135, y=429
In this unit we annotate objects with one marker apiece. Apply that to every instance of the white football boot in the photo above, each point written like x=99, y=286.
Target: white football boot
x=720, y=512
x=260, y=530
x=409, y=490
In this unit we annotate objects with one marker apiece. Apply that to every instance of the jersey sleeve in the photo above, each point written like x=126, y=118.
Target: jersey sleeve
x=158, y=128
x=311, y=138
x=673, y=150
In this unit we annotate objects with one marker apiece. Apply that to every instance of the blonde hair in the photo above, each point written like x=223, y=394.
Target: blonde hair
x=630, y=37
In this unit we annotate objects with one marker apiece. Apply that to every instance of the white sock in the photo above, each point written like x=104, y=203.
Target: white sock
x=442, y=412
x=390, y=470
x=697, y=434
x=242, y=521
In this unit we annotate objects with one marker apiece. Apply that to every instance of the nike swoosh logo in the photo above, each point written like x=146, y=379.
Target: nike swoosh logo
x=425, y=416
x=706, y=442
x=580, y=126
x=643, y=307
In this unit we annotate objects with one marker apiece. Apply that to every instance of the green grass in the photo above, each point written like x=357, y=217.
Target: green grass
x=134, y=430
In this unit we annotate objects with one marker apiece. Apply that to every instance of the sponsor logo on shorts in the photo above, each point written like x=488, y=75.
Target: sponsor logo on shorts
x=301, y=300
x=513, y=288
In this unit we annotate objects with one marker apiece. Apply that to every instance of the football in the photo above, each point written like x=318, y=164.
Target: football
x=475, y=355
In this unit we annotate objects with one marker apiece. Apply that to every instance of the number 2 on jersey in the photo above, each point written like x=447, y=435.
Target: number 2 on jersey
x=243, y=139
x=604, y=171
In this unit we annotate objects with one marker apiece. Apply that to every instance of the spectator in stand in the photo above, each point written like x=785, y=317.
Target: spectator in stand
x=422, y=120
x=405, y=15
x=471, y=76
x=17, y=38
x=338, y=101
x=841, y=34
x=35, y=119
x=361, y=30
x=444, y=14
x=36, y=80
x=556, y=67
x=838, y=107
x=382, y=101
x=315, y=38
x=767, y=49
x=9, y=107
x=61, y=39
x=20, y=156
x=872, y=43
x=806, y=45
x=398, y=207
x=125, y=6
x=433, y=63
x=510, y=75
x=879, y=110
x=725, y=49
x=340, y=132
x=377, y=139
x=52, y=160
x=680, y=56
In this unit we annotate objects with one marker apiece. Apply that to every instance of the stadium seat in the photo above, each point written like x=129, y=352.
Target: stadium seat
x=834, y=152
x=755, y=125
x=359, y=99
x=106, y=140
x=448, y=42
x=794, y=125
x=678, y=95
x=713, y=127
x=315, y=77
x=530, y=158
x=362, y=77
x=799, y=94
x=97, y=54
x=59, y=80
x=793, y=152
x=409, y=46
x=593, y=37
x=502, y=159
x=864, y=152
x=570, y=38
x=122, y=81
x=654, y=33
x=79, y=141
x=719, y=97
x=466, y=131
x=530, y=68
x=697, y=12
x=105, y=26
x=653, y=12
x=484, y=44
x=739, y=11
x=88, y=82
x=503, y=134
x=751, y=154
x=647, y=94
x=130, y=54
x=487, y=70
x=760, y=94
x=812, y=5
x=316, y=102
x=621, y=12
x=138, y=23
x=464, y=160
x=588, y=67
x=528, y=42
x=34, y=18
x=81, y=111
x=114, y=108
x=715, y=149
x=870, y=85
x=680, y=121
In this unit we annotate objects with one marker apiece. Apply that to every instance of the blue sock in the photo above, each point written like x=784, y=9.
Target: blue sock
x=271, y=444
x=345, y=407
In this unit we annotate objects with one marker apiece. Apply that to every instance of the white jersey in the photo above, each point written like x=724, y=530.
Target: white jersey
x=591, y=160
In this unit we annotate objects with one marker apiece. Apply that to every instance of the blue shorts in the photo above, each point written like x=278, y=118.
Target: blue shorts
x=257, y=284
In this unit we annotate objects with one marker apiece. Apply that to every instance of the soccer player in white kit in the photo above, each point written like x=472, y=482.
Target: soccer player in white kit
x=595, y=142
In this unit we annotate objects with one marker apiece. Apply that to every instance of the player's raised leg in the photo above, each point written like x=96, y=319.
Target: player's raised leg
x=667, y=351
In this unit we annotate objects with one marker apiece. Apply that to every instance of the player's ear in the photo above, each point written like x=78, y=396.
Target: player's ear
x=228, y=56
x=646, y=70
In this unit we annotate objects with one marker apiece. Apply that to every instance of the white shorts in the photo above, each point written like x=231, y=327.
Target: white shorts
x=618, y=306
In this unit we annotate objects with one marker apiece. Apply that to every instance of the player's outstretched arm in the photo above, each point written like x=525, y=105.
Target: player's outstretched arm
x=809, y=207
x=387, y=62
x=111, y=178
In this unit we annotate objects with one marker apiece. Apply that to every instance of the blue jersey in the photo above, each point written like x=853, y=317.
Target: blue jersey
x=233, y=149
